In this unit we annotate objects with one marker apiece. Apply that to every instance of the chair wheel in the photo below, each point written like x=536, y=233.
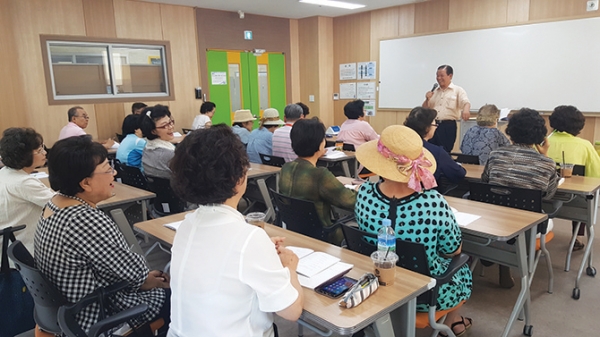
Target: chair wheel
x=528, y=330
x=591, y=271
x=576, y=293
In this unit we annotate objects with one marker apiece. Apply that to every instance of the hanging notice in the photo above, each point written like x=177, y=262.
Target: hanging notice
x=347, y=90
x=218, y=78
x=369, y=108
x=367, y=70
x=365, y=90
x=348, y=71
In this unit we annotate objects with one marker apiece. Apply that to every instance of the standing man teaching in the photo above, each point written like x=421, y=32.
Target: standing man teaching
x=451, y=103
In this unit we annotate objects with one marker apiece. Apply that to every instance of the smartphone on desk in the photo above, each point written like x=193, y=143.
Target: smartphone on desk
x=336, y=287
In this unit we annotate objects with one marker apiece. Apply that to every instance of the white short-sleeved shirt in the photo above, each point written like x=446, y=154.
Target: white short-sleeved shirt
x=226, y=277
x=200, y=122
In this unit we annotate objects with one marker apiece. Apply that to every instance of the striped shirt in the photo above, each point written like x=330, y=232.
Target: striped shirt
x=282, y=144
x=522, y=167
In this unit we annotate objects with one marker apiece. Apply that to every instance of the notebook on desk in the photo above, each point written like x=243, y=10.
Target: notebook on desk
x=316, y=268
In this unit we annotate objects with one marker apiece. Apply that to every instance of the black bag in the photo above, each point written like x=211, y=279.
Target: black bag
x=16, y=303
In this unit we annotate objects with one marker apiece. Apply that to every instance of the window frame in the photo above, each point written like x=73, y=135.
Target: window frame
x=165, y=47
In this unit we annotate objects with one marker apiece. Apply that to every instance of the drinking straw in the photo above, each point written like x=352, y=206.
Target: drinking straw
x=386, y=254
x=563, y=153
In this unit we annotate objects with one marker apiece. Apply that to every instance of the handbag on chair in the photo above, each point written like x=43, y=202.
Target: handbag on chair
x=16, y=303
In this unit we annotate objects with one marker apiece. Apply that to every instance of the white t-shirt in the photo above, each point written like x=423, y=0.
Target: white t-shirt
x=226, y=277
x=22, y=198
x=200, y=122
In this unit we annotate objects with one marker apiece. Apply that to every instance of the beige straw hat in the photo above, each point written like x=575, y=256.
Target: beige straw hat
x=241, y=116
x=397, y=141
x=271, y=117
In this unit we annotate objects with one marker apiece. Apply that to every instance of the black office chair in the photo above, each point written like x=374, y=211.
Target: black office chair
x=412, y=256
x=131, y=176
x=166, y=202
x=525, y=199
x=186, y=131
x=348, y=147
x=271, y=160
x=465, y=158
x=578, y=170
x=120, y=137
x=301, y=216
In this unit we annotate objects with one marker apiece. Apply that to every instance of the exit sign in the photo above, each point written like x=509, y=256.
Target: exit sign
x=247, y=35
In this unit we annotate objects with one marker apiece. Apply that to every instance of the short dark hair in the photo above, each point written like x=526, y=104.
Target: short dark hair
x=292, y=112
x=17, y=146
x=567, y=118
x=207, y=107
x=137, y=106
x=354, y=109
x=72, y=160
x=305, y=109
x=148, y=123
x=449, y=70
x=72, y=112
x=207, y=165
x=307, y=136
x=419, y=119
x=526, y=127
x=130, y=124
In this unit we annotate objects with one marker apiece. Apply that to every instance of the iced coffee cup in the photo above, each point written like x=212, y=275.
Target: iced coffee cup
x=256, y=219
x=566, y=170
x=385, y=267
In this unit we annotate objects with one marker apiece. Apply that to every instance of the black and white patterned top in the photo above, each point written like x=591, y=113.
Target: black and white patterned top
x=79, y=248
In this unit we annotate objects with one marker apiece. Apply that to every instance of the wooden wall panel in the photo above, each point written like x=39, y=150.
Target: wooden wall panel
x=407, y=20
x=178, y=23
x=308, y=37
x=554, y=9
x=99, y=18
x=109, y=118
x=138, y=20
x=431, y=16
x=352, y=38
x=324, y=99
x=517, y=11
x=294, y=61
x=469, y=14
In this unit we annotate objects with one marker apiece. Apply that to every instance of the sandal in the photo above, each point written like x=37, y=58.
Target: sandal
x=578, y=245
x=467, y=325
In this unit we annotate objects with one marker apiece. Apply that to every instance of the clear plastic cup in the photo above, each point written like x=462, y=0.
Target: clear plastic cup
x=256, y=219
x=566, y=170
x=385, y=267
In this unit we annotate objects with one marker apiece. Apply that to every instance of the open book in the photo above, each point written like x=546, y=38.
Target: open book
x=316, y=268
x=173, y=225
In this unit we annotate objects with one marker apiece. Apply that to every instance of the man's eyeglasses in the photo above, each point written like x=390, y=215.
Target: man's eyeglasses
x=84, y=116
x=168, y=125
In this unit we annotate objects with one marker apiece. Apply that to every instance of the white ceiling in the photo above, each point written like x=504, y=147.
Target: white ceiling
x=291, y=9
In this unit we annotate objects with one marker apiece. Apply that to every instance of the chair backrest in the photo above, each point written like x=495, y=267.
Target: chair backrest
x=348, y=147
x=299, y=216
x=131, y=176
x=271, y=160
x=578, y=170
x=120, y=137
x=166, y=202
x=356, y=240
x=45, y=295
x=412, y=256
x=125, y=228
x=466, y=158
x=186, y=131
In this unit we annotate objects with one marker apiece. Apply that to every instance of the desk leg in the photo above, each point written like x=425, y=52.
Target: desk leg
x=264, y=191
x=346, y=168
x=524, y=298
x=404, y=320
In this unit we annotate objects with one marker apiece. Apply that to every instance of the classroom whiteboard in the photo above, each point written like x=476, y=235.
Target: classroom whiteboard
x=538, y=66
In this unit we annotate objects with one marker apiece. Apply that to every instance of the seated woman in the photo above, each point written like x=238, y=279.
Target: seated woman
x=261, y=139
x=243, y=276
x=523, y=164
x=407, y=182
x=22, y=195
x=242, y=125
x=79, y=248
x=204, y=119
x=422, y=121
x=567, y=122
x=355, y=130
x=158, y=126
x=132, y=147
x=484, y=137
x=302, y=179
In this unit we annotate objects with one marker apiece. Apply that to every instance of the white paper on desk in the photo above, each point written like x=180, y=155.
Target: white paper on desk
x=173, y=225
x=315, y=263
x=115, y=145
x=299, y=251
x=562, y=180
x=40, y=175
x=333, y=154
x=504, y=114
x=338, y=269
x=463, y=219
x=176, y=134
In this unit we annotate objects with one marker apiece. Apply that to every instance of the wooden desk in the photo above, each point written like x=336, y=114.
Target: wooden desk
x=583, y=207
x=124, y=195
x=259, y=173
x=325, y=312
x=498, y=223
x=349, y=156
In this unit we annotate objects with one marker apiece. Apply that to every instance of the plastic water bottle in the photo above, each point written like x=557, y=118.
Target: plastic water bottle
x=386, y=238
